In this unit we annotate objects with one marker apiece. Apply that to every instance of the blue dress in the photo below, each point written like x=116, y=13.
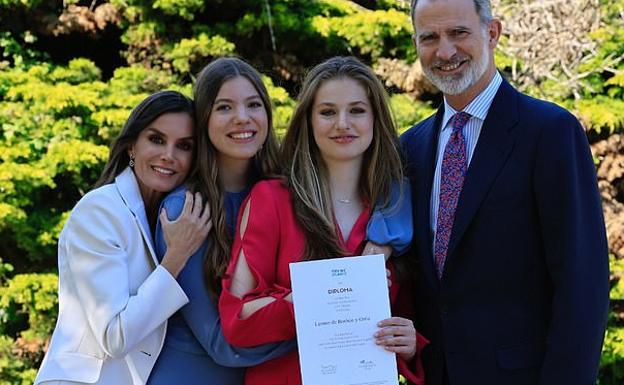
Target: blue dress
x=195, y=350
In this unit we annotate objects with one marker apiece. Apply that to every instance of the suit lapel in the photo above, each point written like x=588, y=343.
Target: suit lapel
x=492, y=151
x=129, y=190
x=426, y=155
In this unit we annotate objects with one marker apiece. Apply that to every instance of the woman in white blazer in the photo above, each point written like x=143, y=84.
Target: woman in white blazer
x=114, y=297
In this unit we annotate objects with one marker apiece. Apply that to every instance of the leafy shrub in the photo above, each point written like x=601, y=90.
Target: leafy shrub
x=196, y=50
x=382, y=33
x=186, y=9
x=28, y=310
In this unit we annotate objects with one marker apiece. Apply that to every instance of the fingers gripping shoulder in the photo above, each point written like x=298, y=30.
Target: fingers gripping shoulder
x=174, y=203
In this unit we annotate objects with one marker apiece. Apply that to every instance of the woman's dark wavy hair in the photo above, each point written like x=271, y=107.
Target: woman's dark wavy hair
x=142, y=115
x=205, y=176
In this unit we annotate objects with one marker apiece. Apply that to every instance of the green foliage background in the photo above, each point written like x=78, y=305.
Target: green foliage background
x=70, y=72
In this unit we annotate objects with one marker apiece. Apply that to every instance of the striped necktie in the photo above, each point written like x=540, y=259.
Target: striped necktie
x=452, y=177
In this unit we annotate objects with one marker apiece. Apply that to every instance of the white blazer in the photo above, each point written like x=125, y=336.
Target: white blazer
x=114, y=298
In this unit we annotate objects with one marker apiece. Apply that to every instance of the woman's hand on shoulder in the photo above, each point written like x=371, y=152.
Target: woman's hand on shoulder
x=185, y=234
x=398, y=335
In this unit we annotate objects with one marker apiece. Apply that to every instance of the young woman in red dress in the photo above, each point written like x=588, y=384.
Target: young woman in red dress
x=340, y=154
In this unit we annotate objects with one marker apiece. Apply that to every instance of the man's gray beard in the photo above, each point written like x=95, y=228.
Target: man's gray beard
x=449, y=85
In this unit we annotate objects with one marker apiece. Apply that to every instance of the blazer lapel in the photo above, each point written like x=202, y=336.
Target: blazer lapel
x=426, y=154
x=129, y=190
x=492, y=151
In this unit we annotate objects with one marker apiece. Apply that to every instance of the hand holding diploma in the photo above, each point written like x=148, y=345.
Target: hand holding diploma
x=398, y=335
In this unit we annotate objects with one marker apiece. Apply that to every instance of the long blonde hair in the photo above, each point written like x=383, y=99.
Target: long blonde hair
x=306, y=172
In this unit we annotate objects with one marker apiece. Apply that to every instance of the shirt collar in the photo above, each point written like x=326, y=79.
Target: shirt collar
x=479, y=106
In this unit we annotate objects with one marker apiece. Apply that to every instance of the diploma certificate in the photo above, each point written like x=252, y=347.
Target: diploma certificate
x=338, y=303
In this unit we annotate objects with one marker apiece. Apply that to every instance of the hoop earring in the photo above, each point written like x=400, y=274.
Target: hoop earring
x=131, y=163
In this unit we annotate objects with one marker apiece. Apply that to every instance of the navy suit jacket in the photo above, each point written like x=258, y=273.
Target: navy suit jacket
x=524, y=295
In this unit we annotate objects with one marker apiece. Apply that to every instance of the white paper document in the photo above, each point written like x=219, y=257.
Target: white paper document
x=338, y=303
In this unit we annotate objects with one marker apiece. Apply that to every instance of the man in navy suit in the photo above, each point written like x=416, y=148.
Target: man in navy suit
x=512, y=260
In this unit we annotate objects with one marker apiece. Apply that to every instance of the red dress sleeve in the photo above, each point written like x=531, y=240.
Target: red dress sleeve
x=401, y=300
x=260, y=244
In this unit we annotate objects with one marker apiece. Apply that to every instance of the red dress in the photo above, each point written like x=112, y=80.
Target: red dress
x=271, y=241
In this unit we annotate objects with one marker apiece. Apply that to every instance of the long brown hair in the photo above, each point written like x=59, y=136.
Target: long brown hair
x=141, y=116
x=205, y=176
x=306, y=172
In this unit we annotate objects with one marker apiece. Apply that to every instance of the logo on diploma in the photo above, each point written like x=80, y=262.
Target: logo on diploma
x=366, y=364
x=328, y=369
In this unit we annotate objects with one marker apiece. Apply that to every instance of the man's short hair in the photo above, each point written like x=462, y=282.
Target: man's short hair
x=483, y=8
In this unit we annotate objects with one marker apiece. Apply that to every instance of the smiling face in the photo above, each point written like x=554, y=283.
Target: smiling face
x=342, y=120
x=238, y=123
x=455, y=47
x=163, y=154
